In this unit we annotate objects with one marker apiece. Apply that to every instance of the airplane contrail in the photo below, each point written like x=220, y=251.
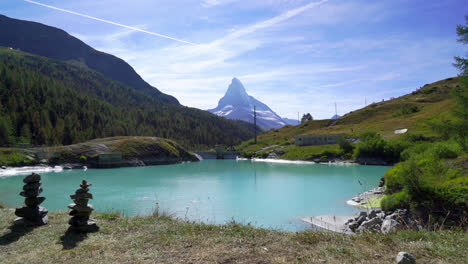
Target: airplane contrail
x=109, y=22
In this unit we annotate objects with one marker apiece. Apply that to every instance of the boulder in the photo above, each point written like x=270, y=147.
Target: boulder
x=405, y=258
x=389, y=225
x=373, y=213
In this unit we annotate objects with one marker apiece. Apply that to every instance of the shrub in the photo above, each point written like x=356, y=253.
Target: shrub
x=406, y=110
x=374, y=146
x=446, y=150
x=394, y=201
x=83, y=159
x=345, y=145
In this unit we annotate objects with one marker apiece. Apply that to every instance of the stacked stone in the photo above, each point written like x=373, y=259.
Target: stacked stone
x=32, y=214
x=81, y=210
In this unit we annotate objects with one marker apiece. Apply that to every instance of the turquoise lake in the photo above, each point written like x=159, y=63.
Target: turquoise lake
x=271, y=195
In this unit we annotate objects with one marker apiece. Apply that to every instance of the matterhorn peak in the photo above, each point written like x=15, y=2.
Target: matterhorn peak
x=237, y=104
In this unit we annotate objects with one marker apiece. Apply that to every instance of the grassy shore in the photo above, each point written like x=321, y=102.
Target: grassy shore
x=160, y=239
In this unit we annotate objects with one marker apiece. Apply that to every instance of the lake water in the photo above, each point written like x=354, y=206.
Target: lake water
x=272, y=195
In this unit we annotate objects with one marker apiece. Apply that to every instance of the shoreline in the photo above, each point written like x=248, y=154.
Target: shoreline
x=346, y=162
x=14, y=171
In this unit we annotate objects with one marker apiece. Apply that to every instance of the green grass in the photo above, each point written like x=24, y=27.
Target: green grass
x=156, y=239
x=15, y=157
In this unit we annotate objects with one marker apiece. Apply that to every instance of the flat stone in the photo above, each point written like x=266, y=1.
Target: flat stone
x=75, y=212
x=34, y=201
x=81, y=202
x=31, y=212
x=405, y=258
x=85, y=190
x=78, y=220
x=81, y=196
x=32, y=178
x=31, y=193
x=32, y=186
x=84, y=184
x=80, y=208
x=88, y=228
x=21, y=221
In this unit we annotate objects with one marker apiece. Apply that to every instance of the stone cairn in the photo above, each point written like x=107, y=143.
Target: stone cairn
x=32, y=214
x=81, y=210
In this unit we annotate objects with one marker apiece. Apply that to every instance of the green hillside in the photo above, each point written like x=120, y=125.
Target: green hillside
x=414, y=111
x=49, y=102
x=55, y=43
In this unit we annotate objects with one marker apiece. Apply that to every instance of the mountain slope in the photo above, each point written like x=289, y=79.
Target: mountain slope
x=413, y=111
x=57, y=44
x=46, y=101
x=238, y=105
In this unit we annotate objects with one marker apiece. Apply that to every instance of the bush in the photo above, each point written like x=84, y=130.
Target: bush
x=427, y=185
x=345, y=145
x=406, y=110
x=394, y=201
x=374, y=146
x=247, y=154
x=83, y=159
x=446, y=150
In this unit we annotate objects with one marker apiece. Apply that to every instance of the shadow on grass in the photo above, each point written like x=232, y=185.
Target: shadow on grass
x=16, y=232
x=71, y=238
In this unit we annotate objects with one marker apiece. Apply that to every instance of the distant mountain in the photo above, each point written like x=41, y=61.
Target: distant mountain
x=238, y=105
x=57, y=44
x=289, y=121
x=335, y=117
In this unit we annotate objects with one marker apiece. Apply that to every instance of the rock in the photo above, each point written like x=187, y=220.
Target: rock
x=31, y=193
x=32, y=186
x=4, y=167
x=31, y=212
x=381, y=215
x=405, y=258
x=32, y=178
x=81, y=195
x=84, y=184
x=360, y=219
x=389, y=225
x=81, y=208
x=373, y=213
x=371, y=223
x=88, y=228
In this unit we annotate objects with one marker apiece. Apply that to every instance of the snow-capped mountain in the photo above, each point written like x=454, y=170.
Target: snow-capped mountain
x=237, y=104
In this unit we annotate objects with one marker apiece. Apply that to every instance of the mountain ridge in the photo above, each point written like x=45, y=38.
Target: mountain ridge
x=55, y=43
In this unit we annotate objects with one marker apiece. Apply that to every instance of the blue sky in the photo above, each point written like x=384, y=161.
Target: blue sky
x=293, y=55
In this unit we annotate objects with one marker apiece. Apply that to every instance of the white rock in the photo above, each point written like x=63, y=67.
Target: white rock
x=405, y=258
x=389, y=225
